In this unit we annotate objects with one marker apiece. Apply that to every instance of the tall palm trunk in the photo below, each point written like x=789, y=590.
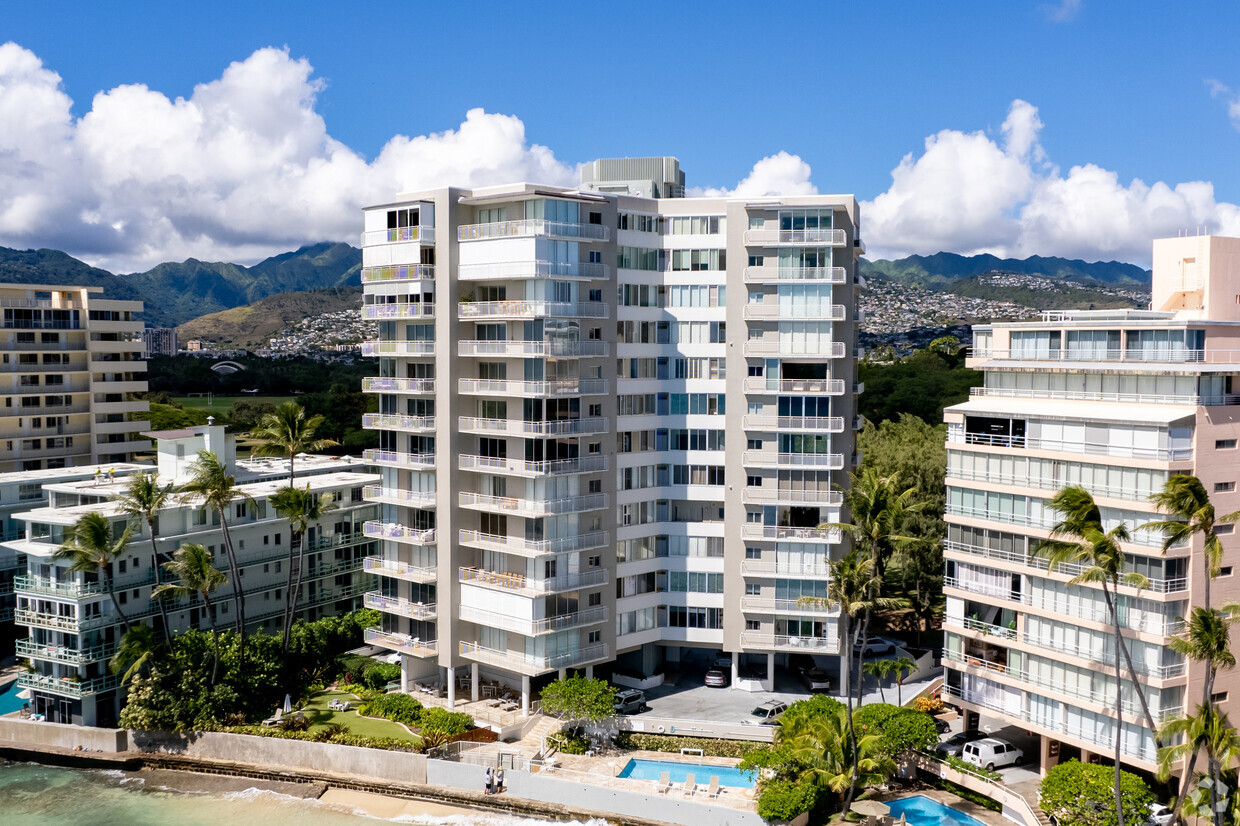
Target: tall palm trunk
x=1112, y=603
x=863, y=631
x=163, y=609
x=1119, y=721
x=296, y=563
x=215, y=640
x=238, y=593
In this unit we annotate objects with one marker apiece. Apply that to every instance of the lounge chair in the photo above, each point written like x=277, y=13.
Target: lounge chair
x=713, y=789
x=274, y=720
x=665, y=783
x=690, y=785
x=344, y=706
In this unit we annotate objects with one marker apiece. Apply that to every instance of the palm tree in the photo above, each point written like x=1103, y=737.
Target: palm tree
x=89, y=547
x=822, y=746
x=300, y=507
x=143, y=499
x=878, y=509
x=880, y=670
x=287, y=432
x=1185, y=500
x=195, y=570
x=899, y=668
x=135, y=652
x=211, y=482
x=1208, y=730
x=1079, y=540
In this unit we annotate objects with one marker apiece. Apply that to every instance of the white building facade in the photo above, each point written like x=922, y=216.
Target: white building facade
x=611, y=424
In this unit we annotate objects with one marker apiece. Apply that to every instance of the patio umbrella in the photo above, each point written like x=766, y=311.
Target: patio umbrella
x=288, y=704
x=24, y=694
x=871, y=808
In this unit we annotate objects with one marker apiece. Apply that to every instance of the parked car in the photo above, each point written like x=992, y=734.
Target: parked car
x=1160, y=815
x=992, y=753
x=895, y=644
x=630, y=701
x=766, y=714
x=942, y=725
x=717, y=677
x=955, y=744
x=873, y=646
x=814, y=678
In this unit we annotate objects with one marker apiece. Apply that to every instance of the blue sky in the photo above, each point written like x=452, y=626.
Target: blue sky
x=1137, y=90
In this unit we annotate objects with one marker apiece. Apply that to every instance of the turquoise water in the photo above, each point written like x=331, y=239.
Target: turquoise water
x=8, y=698
x=677, y=772
x=920, y=810
x=33, y=795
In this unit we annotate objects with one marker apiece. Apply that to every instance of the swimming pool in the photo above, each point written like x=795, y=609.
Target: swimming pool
x=920, y=810
x=9, y=701
x=677, y=772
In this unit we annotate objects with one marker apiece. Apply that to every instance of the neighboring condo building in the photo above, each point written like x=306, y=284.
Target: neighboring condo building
x=1115, y=401
x=71, y=370
x=159, y=341
x=71, y=624
x=611, y=425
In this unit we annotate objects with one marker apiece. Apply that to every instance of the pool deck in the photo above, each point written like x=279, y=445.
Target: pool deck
x=605, y=771
x=948, y=799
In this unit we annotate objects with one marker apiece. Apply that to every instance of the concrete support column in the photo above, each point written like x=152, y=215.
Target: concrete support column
x=405, y=682
x=525, y=696
x=770, y=671
x=1048, y=754
x=473, y=682
x=563, y=673
x=451, y=687
x=589, y=672
x=736, y=667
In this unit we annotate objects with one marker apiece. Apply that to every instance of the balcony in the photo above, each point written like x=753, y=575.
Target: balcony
x=531, y=665
x=405, y=644
x=392, y=421
x=409, y=272
x=784, y=533
x=532, y=469
x=57, y=622
x=778, y=275
x=821, y=461
x=521, y=584
x=771, y=387
x=531, y=309
x=521, y=428
x=68, y=686
x=398, y=348
x=532, y=227
x=771, y=311
x=532, y=547
x=1135, y=355
x=1178, y=454
x=533, y=269
x=373, y=384
x=782, y=642
x=385, y=311
x=392, y=458
x=532, y=349
x=770, y=605
x=532, y=508
x=534, y=627
x=399, y=533
x=1037, y=566
x=408, y=498
x=532, y=389
x=760, y=349
x=806, y=237
x=393, y=569
x=396, y=605
x=52, y=588
x=422, y=235
x=769, y=568
x=64, y=654
x=1100, y=396
x=816, y=424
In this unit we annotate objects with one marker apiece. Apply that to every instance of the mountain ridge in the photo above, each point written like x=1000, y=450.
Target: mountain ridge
x=942, y=268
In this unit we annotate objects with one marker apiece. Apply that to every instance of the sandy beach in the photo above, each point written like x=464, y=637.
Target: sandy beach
x=377, y=805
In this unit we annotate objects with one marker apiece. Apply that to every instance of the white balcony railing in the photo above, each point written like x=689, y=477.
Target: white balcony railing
x=520, y=427
x=382, y=311
x=403, y=272
x=521, y=467
x=372, y=384
x=1134, y=355
x=808, y=237
x=532, y=269
x=397, y=605
x=771, y=605
x=393, y=458
x=423, y=235
x=775, y=275
x=770, y=310
x=532, y=349
x=1037, y=565
x=513, y=387
x=782, y=532
x=782, y=642
x=399, y=533
x=533, y=547
x=533, y=627
x=757, y=348
x=394, y=569
x=1100, y=396
x=532, y=309
x=529, y=227
x=761, y=495
x=398, y=348
x=519, y=583
x=828, y=387
x=768, y=568
x=533, y=665
x=533, y=507
x=393, y=421
x=392, y=496
x=823, y=461
x=413, y=646
x=819, y=424
x=1160, y=454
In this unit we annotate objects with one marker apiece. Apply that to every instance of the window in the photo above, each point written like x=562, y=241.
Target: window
x=1224, y=444
x=1224, y=487
x=239, y=510
x=1218, y=697
x=595, y=599
x=1225, y=570
x=752, y=552
x=753, y=625
x=753, y=481
x=595, y=486
x=754, y=444
x=595, y=562
x=1224, y=529
x=753, y=589
x=595, y=636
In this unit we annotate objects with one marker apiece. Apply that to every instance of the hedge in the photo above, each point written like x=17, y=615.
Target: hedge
x=327, y=736
x=399, y=708
x=671, y=743
x=783, y=799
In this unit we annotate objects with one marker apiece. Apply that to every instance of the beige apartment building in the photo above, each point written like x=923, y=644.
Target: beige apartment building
x=71, y=364
x=1116, y=401
x=612, y=420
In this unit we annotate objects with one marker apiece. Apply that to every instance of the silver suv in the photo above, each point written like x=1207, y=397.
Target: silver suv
x=630, y=701
x=766, y=714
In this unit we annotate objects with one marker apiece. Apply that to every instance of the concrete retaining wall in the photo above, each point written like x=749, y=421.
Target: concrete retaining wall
x=376, y=764
x=61, y=736
x=694, y=728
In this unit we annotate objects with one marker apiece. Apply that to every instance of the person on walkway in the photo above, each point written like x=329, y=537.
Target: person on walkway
x=499, y=780
x=490, y=781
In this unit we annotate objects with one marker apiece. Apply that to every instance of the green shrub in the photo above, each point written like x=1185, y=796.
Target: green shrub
x=671, y=743
x=378, y=675
x=442, y=721
x=968, y=768
x=1083, y=794
x=399, y=708
x=340, y=739
x=818, y=705
x=568, y=743
x=900, y=730
x=785, y=799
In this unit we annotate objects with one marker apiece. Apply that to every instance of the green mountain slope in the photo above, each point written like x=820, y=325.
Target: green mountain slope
x=1061, y=295
x=251, y=325
x=938, y=270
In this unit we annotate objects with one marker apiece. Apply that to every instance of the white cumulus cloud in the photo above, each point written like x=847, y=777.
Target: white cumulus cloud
x=778, y=174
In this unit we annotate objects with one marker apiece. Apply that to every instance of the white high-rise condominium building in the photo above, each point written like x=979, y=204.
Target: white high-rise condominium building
x=71, y=366
x=1115, y=401
x=611, y=424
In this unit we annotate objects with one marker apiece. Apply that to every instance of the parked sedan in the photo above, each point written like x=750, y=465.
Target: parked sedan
x=717, y=677
x=873, y=646
x=814, y=679
x=955, y=744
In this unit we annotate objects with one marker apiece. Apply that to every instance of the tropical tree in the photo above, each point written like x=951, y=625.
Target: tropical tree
x=880, y=670
x=1208, y=730
x=301, y=508
x=900, y=668
x=195, y=571
x=1184, y=499
x=287, y=432
x=879, y=507
x=90, y=547
x=821, y=748
x=136, y=651
x=1080, y=541
x=142, y=500
x=577, y=699
x=217, y=490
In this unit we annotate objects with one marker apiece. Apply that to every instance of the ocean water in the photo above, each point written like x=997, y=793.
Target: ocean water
x=34, y=795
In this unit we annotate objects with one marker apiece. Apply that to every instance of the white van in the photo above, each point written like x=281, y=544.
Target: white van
x=992, y=753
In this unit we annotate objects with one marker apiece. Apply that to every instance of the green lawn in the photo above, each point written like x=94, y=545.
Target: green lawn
x=222, y=405
x=320, y=716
